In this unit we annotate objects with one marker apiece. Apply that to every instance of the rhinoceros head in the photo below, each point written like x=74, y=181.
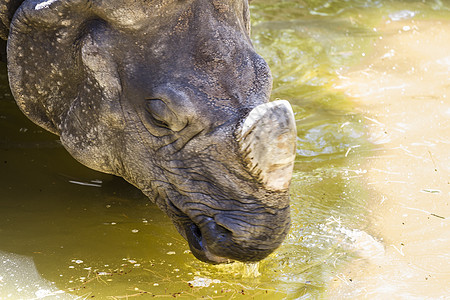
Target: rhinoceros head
x=171, y=96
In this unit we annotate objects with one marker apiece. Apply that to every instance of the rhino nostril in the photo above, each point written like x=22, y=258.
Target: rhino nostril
x=196, y=231
x=198, y=248
x=195, y=237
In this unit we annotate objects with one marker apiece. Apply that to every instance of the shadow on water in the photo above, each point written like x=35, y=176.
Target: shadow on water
x=90, y=234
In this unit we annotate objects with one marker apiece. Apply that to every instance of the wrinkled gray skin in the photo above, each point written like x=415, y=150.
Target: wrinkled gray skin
x=156, y=92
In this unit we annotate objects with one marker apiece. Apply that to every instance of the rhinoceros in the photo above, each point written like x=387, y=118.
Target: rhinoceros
x=171, y=96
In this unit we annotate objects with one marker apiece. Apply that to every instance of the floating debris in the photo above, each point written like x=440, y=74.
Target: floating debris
x=402, y=15
x=202, y=282
x=85, y=183
x=431, y=191
x=437, y=216
x=104, y=274
x=77, y=261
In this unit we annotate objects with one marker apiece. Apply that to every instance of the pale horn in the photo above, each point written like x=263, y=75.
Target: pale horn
x=267, y=140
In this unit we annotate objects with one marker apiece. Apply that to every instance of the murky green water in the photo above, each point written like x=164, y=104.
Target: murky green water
x=66, y=228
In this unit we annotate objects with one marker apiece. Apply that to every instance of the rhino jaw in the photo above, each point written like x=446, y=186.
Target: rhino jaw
x=267, y=143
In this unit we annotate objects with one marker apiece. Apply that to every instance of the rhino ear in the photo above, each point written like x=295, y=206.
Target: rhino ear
x=7, y=10
x=55, y=54
x=63, y=76
x=43, y=67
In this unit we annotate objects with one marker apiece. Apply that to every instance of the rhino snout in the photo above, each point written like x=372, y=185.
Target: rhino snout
x=245, y=237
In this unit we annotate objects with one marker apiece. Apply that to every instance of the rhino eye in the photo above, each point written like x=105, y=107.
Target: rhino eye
x=158, y=112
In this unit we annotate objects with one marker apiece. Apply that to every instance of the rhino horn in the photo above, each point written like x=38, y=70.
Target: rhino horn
x=267, y=143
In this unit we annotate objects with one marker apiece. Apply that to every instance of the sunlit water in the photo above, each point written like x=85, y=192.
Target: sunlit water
x=368, y=81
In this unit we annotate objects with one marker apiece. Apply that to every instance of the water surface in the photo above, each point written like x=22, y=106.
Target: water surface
x=368, y=81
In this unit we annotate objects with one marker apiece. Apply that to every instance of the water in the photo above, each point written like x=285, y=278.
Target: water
x=368, y=81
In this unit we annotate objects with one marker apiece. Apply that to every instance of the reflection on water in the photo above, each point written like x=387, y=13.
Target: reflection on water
x=20, y=277
x=368, y=81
